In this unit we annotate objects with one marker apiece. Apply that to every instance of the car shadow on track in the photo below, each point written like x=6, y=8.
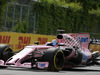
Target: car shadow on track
x=81, y=70
x=27, y=69
x=44, y=70
x=90, y=68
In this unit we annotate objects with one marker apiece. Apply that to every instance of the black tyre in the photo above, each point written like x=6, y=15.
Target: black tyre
x=55, y=57
x=5, y=52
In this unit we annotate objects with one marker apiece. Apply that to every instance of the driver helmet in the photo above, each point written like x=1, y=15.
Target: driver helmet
x=54, y=42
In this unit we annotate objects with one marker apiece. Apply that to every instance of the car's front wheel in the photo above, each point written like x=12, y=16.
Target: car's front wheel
x=5, y=52
x=55, y=57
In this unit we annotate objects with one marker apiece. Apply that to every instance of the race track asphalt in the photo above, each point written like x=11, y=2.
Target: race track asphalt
x=90, y=70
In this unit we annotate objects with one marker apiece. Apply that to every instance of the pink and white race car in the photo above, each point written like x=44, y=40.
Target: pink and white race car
x=67, y=50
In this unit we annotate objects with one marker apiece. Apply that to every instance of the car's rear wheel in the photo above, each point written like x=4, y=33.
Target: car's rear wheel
x=5, y=52
x=55, y=57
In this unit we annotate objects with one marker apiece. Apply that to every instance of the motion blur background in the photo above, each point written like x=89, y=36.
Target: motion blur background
x=46, y=16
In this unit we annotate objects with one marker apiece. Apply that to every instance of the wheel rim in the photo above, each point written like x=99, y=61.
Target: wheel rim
x=59, y=60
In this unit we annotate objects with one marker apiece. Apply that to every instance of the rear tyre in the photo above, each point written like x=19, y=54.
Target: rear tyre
x=55, y=57
x=5, y=52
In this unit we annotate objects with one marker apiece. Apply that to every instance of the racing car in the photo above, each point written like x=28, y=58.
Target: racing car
x=67, y=50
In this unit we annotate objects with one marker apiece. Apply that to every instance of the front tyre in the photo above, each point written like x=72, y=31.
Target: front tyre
x=55, y=57
x=5, y=52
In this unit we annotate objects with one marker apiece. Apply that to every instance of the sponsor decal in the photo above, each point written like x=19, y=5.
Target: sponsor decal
x=42, y=40
x=5, y=39
x=19, y=40
x=83, y=39
x=84, y=57
x=22, y=42
x=42, y=65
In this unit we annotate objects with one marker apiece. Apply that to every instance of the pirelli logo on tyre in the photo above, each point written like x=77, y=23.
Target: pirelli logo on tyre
x=19, y=40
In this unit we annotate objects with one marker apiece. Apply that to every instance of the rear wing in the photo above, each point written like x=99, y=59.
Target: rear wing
x=82, y=38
